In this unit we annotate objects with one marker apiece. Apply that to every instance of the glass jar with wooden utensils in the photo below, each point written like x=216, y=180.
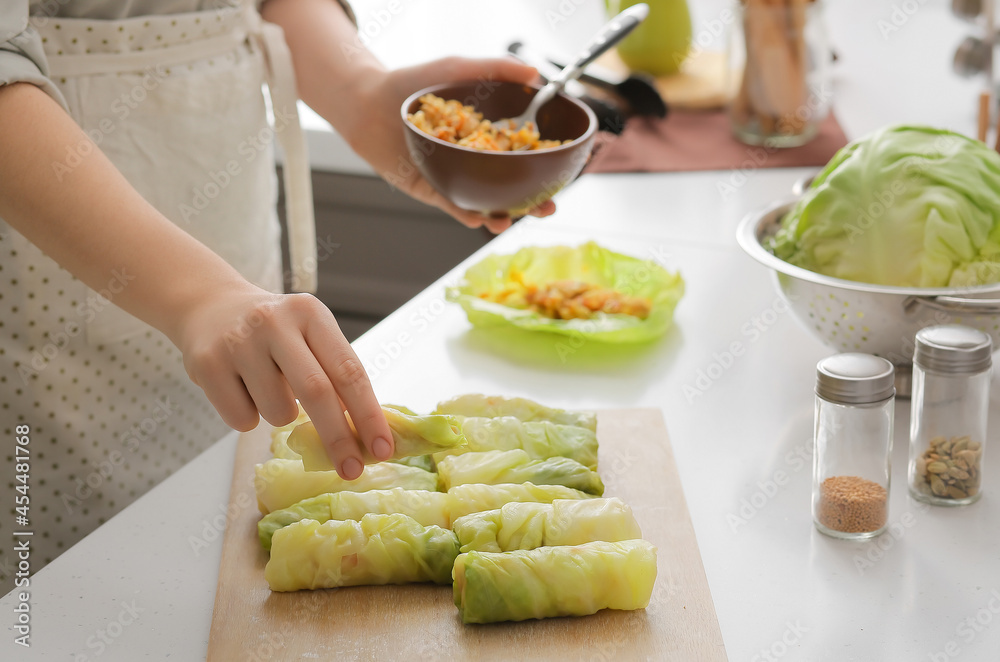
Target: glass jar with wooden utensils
x=779, y=59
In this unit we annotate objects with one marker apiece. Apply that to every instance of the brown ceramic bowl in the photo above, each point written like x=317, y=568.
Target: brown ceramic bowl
x=500, y=183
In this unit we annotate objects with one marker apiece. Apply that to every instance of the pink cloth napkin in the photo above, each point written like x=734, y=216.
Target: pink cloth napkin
x=688, y=140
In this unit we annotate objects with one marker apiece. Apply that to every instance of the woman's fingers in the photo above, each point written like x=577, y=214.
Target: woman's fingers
x=315, y=390
x=547, y=208
x=320, y=372
x=460, y=68
x=294, y=349
x=229, y=395
x=422, y=190
x=351, y=383
x=496, y=225
x=268, y=388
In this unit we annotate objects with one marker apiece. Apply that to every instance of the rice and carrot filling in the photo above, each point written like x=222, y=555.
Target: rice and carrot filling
x=454, y=122
x=571, y=299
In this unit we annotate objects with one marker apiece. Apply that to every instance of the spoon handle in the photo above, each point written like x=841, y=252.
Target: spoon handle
x=613, y=31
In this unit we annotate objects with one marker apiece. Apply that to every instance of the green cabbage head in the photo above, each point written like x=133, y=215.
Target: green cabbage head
x=906, y=206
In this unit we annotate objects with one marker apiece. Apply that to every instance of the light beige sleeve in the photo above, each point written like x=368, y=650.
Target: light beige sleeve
x=22, y=59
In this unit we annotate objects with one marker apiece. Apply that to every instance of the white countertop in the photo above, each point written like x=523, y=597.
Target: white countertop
x=142, y=586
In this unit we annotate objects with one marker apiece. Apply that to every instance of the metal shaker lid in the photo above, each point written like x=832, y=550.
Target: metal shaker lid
x=854, y=379
x=953, y=349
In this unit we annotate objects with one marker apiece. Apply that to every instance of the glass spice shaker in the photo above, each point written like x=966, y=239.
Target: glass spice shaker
x=951, y=392
x=855, y=395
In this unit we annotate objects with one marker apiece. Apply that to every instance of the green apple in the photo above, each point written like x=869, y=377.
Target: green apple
x=661, y=43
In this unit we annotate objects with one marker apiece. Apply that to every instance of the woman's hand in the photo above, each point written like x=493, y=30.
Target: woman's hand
x=378, y=138
x=342, y=81
x=252, y=351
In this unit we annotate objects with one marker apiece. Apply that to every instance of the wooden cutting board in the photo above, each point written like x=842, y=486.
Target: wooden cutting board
x=420, y=622
x=703, y=82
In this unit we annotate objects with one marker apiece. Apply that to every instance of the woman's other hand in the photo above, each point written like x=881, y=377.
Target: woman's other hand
x=342, y=81
x=379, y=139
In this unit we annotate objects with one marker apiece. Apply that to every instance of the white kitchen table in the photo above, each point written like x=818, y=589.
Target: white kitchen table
x=142, y=586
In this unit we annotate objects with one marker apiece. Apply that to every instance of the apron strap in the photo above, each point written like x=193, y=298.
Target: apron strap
x=297, y=175
x=280, y=78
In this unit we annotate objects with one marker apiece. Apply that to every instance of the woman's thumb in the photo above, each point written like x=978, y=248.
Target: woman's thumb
x=501, y=68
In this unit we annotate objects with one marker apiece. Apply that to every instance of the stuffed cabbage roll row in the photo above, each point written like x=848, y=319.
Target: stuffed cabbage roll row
x=521, y=408
x=413, y=436
x=539, y=439
x=283, y=483
x=477, y=497
x=426, y=507
x=516, y=466
x=280, y=449
x=554, y=581
x=378, y=549
x=563, y=522
x=279, y=446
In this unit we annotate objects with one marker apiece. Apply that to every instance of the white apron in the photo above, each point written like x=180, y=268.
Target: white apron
x=176, y=103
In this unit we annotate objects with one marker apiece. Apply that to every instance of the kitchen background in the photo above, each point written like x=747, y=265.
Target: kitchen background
x=378, y=247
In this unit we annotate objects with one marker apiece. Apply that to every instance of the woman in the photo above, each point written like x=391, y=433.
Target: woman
x=156, y=191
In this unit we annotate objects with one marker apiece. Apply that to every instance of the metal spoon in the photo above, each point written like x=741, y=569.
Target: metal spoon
x=612, y=32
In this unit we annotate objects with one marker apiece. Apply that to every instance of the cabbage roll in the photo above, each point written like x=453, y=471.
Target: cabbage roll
x=562, y=522
x=521, y=408
x=516, y=466
x=283, y=483
x=401, y=408
x=413, y=436
x=425, y=507
x=280, y=449
x=554, y=581
x=279, y=446
x=380, y=549
x=539, y=439
x=476, y=497
x=425, y=462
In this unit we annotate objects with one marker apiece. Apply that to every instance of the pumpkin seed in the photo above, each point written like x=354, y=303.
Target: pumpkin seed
x=956, y=493
x=950, y=468
x=955, y=472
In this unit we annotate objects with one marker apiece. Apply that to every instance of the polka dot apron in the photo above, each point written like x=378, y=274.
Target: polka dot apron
x=176, y=102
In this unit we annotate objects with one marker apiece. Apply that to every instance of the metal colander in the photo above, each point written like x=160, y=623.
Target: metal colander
x=860, y=317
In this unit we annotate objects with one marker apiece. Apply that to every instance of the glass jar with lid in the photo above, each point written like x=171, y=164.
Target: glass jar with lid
x=855, y=395
x=949, y=407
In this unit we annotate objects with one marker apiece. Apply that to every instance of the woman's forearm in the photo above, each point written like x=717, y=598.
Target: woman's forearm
x=91, y=221
x=332, y=67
